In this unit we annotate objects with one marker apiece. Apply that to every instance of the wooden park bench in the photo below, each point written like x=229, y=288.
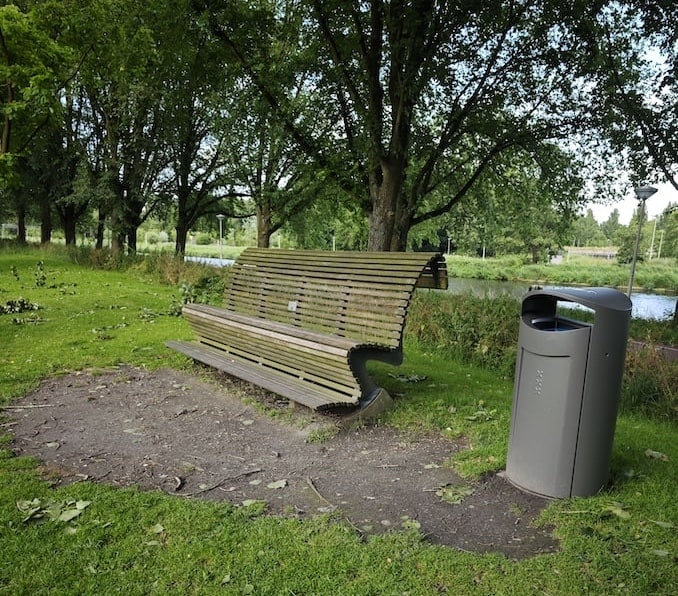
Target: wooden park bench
x=303, y=323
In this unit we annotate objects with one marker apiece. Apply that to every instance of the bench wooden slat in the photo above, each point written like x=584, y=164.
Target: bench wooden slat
x=433, y=274
x=301, y=367
x=316, y=398
x=313, y=341
x=304, y=323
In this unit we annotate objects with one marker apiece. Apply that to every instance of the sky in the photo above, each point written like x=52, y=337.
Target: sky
x=626, y=205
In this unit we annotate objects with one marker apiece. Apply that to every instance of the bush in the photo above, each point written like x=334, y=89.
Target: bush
x=484, y=332
x=650, y=383
x=481, y=331
x=203, y=239
x=152, y=238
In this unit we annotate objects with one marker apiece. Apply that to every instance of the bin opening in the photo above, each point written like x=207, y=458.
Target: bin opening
x=556, y=324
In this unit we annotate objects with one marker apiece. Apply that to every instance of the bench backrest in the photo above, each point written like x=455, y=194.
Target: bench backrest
x=360, y=295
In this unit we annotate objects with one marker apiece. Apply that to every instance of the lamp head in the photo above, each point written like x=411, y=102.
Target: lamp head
x=644, y=192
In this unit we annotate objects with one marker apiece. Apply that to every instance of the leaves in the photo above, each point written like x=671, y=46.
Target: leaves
x=18, y=306
x=61, y=511
x=618, y=509
x=482, y=414
x=656, y=455
x=159, y=531
x=277, y=484
x=454, y=494
x=408, y=378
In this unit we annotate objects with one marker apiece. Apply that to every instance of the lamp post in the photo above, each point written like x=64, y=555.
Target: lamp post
x=221, y=217
x=643, y=193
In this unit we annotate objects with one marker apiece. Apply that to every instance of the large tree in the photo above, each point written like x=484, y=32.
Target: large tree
x=633, y=54
x=424, y=95
x=32, y=71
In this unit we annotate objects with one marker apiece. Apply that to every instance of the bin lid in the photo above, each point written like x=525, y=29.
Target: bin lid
x=598, y=299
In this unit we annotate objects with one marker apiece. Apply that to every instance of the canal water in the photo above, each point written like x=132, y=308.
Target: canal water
x=645, y=305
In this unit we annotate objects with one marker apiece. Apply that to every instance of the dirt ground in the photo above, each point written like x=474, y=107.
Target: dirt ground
x=197, y=438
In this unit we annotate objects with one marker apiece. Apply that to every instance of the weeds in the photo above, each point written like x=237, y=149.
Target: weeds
x=650, y=383
x=15, y=307
x=484, y=332
x=40, y=275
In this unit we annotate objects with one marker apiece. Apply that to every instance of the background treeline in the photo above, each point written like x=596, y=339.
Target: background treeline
x=384, y=125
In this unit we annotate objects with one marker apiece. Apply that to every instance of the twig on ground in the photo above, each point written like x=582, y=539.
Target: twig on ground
x=309, y=481
x=222, y=481
x=28, y=406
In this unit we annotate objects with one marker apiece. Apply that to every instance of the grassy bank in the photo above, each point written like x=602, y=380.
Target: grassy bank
x=655, y=275
x=484, y=332
x=133, y=542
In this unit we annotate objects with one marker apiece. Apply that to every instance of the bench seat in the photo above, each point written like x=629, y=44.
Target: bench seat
x=303, y=324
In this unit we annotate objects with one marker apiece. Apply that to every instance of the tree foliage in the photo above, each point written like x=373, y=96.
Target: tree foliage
x=477, y=120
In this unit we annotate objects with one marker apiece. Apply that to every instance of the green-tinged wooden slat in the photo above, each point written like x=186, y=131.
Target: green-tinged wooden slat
x=257, y=348
x=292, y=319
x=307, y=394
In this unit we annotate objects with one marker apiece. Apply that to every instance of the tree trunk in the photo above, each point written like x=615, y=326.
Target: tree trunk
x=68, y=221
x=263, y=226
x=385, y=186
x=182, y=235
x=117, y=235
x=21, y=224
x=101, y=227
x=131, y=236
x=45, y=223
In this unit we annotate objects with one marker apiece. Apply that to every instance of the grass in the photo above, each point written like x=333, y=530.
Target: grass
x=134, y=542
x=655, y=275
x=86, y=318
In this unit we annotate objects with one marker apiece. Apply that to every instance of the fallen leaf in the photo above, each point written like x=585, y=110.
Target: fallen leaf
x=411, y=524
x=408, y=378
x=453, y=494
x=156, y=529
x=618, y=510
x=656, y=455
x=69, y=514
x=277, y=484
x=250, y=502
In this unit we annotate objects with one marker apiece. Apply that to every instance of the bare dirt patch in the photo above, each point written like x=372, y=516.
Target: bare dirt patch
x=191, y=438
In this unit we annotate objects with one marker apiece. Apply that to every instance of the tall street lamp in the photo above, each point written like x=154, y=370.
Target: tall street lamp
x=221, y=217
x=643, y=193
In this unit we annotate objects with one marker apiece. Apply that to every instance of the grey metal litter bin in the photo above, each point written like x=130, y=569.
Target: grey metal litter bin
x=566, y=393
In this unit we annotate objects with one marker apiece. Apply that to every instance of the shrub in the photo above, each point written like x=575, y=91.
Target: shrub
x=152, y=238
x=650, y=383
x=484, y=332
x=203, y=239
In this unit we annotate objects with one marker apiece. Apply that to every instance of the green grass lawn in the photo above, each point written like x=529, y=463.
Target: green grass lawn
x=133, y=542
